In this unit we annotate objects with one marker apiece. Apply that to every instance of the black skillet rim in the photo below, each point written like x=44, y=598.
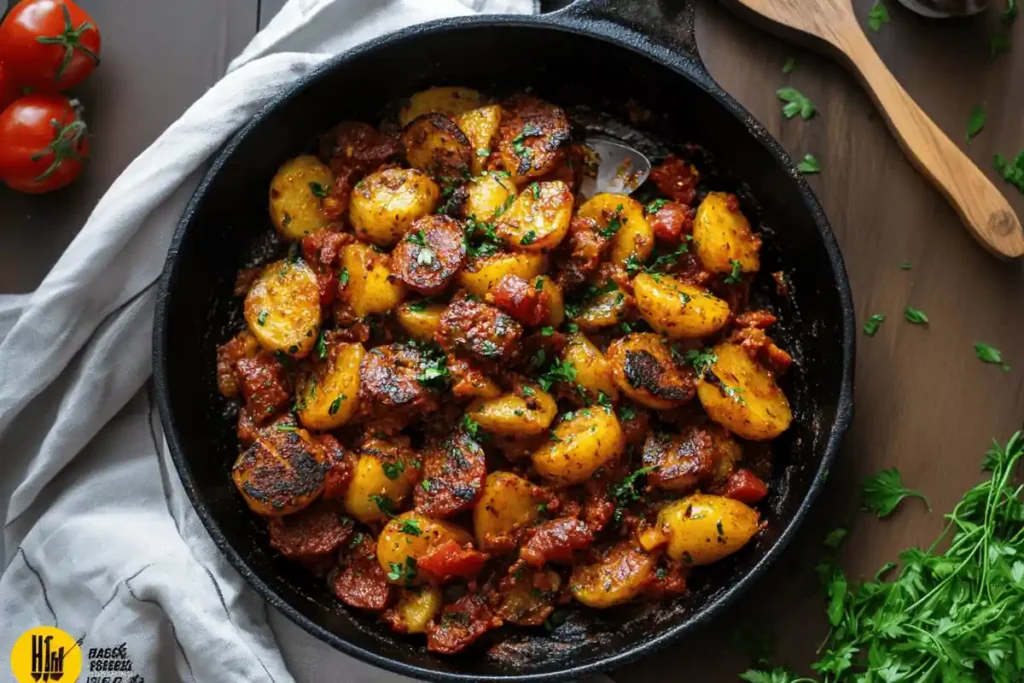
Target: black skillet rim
x=685, y=66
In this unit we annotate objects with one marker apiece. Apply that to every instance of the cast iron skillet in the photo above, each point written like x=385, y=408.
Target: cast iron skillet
x=589, y=54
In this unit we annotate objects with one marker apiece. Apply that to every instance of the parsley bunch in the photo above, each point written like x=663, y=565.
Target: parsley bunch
x=950, y=615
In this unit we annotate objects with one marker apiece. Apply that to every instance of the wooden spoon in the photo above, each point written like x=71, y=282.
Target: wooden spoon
x=831, y=25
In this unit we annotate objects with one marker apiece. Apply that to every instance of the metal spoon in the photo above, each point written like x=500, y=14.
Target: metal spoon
x=621, y=169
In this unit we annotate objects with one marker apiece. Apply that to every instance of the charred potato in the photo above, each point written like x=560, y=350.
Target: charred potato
x=590, y=439
x=507, y=505
x=480, y=126
x=370, y=287
x=384, y=476
x=527, y=412
x=677, y=309
x=605, y=309
x=434, y=144
x=483, y=274
x=741, y=394
x=624, y=220
x=616, y=578
x=419, y=319
x=449, y=101
x=722, y=235
x=412, y=535
x=593, y=371
x=489, y=195
x=644, y=370
x=538, y=219
x=281, y=472
x=330, y=397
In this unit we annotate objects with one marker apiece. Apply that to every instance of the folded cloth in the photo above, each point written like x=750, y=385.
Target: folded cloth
x=99, y=538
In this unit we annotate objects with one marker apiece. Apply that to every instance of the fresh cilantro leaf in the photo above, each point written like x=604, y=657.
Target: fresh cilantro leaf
x=655, y=206
x=990, y=354
x=471, y=426
x=410, y=527
x=809, y=165
x=975, y=122
x=776, y=675
x=878, y=15
x=788, y=67
x=915, y=315
x=884, y=491
x=835, y=538
x=871, y=326
x=383, y=503
x=558, y=371
x=796, y=103
x=701, y=360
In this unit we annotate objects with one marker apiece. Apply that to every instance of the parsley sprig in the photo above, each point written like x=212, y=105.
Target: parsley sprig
x=949, y=615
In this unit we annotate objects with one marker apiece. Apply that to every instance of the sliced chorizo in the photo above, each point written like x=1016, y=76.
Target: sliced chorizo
x=359, y=581
x=461, y=623
x=681, y=460
x=389, y=380
x=434, y=144
x=311, y=535
x=430, y=254
x=453, y=477
x=479, y=329
x=532, y=137
x=555, y=541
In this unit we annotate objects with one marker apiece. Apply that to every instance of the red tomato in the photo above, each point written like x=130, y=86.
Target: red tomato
x=449, y=560
x=746, y=487
x=49, y=45
x=9, y=90
x=43, y=142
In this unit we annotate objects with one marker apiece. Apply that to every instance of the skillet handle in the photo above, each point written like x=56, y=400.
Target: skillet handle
x=668, y=22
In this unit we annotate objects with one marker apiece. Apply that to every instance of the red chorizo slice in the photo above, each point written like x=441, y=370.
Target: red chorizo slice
x=746, y=487
x=453, y=477
x=359, y=581
x=532, y=136
x=263, y=385
x=243, y=345
x=341, y=466
x=555, y=541
x=461, y=623
x=389, y=382
x=311, y=535
x=432, y=252
x=435, y=144
x=672, y=221
x=479, y=329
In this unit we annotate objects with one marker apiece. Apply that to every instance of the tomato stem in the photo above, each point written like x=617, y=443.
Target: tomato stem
x=71, y=40
x=64, y=145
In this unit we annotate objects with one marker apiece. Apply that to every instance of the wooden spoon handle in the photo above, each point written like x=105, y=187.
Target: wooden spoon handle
x=983, y=209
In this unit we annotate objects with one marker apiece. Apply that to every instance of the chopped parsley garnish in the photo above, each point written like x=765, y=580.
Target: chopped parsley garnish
x=343, y=277
x=417, y=238
x=410, y=526
x=788, y=67
x=318, y=190
x=393, y=470
x=655, y=206
x=871, y=326
x=990, y=354
x=905, y=265
x=603, y=400
x=796, y=103
x=425, y=257
x=1012, y=172
x=626, y=412
x=735, y=276
x=538, y=284
x=613, y=225
x=975, y=122
x=628, y=491
x=433, y=367
x=528, y=391
x=529, y=238
x=535, y=189
x=809, y=165
x=261, y=319
x=286, y=220
x=287, y=428
x=425, y=484
x=663, y=261
x=701, y=360
x=915, y=315
x=547, y=331
x=481, y=238
x=878, y=15
x=471, y=426
x=733, y=393
x=558, y=371
x=383, y=503
x=403, y=572
x=336, y=405
x=320, y=349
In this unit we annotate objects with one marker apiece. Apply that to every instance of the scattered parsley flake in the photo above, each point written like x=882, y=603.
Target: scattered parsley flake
x=1013, y=172
x=871, y=326
x=975, y=122
x=393, y=470
x=809, y=165
x=915, y=315
x=318, y=190
x=796, y=103
x=788, y=67
x=990, y=354
x=878, y=15
x=884, y=491
x=261, y=319
x=335, y=405
x=733, y=277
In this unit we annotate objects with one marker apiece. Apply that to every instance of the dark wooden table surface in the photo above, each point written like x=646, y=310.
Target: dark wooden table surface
x=924, y=402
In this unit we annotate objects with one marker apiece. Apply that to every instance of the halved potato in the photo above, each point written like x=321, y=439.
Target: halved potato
x=282, y=308
x=295, y=197
x=417, y=607
x=580, y=446
x=434, y=144
x=604, y=310
x=446, y=100
x=506, y=505
x=702, y=529
x=593, y=371
x=282, y=471
x=483, y=274
x=369, y=288
x=677, y=309
x=480, y=126
x=722, y=235
x=741, y=395
x=624, y=218
x=385, y=203
x=330, y=397
x=412, y=534
x=376, y=490
x=420, y=320
x=617, y=577
x=539, y=217
x=551, y=295
x=643, y=368
x=489, y=194
x=527, y=412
